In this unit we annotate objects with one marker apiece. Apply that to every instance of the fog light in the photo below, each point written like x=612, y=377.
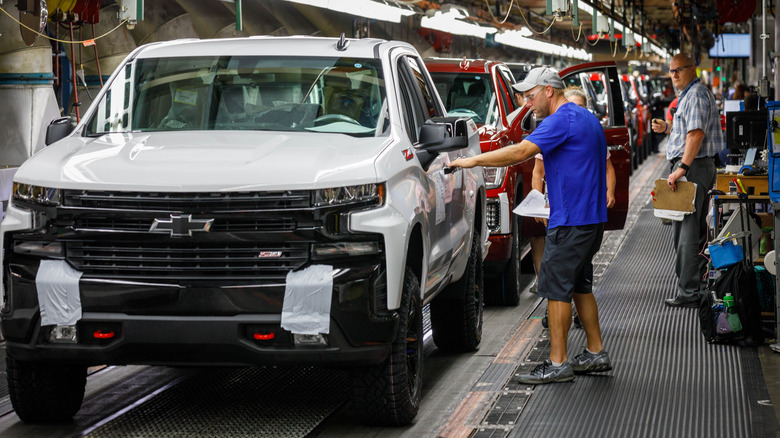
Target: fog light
x=63, y=334
x=340, y=249
x=318, y=339
x=45, y=249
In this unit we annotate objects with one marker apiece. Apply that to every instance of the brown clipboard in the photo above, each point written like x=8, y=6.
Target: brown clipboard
x=679, y=200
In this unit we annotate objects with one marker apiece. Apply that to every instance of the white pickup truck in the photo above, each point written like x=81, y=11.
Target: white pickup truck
x=242, y=202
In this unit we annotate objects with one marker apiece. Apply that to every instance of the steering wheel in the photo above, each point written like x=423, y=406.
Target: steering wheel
x=335, y=117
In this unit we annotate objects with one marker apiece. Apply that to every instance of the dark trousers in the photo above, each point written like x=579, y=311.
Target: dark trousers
x=690, y=234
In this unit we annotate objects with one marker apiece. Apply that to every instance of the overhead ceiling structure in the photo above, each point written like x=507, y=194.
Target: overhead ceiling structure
x=671, y=25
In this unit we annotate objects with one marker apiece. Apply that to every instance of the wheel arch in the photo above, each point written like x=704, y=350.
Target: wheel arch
x=415, y=253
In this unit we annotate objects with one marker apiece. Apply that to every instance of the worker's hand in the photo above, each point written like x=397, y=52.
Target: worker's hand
x=466, y=163
x=541, y=220
x=660, y=126
x=674, y=176
x=610, y=199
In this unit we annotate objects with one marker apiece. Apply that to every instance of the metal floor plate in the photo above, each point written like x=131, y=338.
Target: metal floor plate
x=234, y=402
x=667, y=381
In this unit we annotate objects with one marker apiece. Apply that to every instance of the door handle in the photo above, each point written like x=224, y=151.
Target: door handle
x=449, y=170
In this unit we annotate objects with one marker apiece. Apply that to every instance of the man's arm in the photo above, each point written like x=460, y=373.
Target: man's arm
x=611, y=182
x=693, y=142
x=537, y=182
x=537, y=176
x=505, y=156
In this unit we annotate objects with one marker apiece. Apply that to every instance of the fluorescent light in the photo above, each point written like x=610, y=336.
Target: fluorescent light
x=520, y=40
x=451, y=22
x=586, y=8
x=361, y=8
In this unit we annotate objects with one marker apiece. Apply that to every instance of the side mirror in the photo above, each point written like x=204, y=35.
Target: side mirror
x=58, y=129
x=442, y=134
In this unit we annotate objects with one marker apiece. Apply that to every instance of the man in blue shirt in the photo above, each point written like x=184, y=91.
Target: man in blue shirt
x=695, y=137
x=575, y=152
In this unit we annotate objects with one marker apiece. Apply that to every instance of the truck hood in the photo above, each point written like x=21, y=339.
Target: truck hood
x=205, y=161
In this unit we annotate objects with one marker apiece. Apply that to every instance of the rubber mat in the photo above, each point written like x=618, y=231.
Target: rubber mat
x=666, y=381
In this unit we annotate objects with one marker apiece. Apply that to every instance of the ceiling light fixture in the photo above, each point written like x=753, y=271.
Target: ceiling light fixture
x=520, y=40
x=452, y=22
x=381, y=11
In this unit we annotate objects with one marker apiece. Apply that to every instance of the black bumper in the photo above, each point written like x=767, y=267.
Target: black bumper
x=202, y=324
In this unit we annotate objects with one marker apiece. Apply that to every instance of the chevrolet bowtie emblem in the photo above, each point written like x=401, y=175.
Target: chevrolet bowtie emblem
x=180, y=225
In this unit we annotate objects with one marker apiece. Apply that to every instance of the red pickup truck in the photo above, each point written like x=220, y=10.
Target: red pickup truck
x=482, y=90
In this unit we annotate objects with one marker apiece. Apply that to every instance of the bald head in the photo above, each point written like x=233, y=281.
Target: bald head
x=683, y=59
x=682, y=70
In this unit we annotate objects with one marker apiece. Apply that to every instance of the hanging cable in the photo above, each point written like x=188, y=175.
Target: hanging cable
x=598, y=38
x=58, y=40
x=97, y=59
x=579, y=33
x=529, y=25
x=76, y=103
x=508, y=11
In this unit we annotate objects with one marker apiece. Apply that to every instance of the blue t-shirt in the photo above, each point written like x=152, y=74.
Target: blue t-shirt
x=575, y=154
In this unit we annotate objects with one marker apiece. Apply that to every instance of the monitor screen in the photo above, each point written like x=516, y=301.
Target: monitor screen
x=746, y=129
x=731, y=45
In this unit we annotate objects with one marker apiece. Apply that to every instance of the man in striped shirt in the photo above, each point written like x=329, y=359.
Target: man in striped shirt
x=694, y=138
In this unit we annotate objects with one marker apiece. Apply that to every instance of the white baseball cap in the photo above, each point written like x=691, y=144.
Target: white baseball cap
x=539, y=76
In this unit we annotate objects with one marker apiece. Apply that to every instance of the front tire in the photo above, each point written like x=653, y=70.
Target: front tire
x=456, y=314
x=389, y=393
x=45, y=393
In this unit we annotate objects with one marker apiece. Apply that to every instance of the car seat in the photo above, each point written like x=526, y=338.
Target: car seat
x=341, y=99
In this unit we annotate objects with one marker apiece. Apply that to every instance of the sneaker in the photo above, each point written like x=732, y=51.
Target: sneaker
x=587, y=362
x=547, y=373
x=534, y=288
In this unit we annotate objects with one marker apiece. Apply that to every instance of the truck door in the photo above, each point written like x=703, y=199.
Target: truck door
x=447, y=224
x=607, y=105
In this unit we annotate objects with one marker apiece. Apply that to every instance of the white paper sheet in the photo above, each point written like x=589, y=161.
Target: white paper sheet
x=307, y=296
x=534, y=205
x=57, y=285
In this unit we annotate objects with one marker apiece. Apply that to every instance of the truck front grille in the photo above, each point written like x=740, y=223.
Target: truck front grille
x=187, y=260
x=222, y=225
x=192, y=202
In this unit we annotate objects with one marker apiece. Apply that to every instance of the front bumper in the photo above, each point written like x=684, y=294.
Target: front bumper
x=201, y=324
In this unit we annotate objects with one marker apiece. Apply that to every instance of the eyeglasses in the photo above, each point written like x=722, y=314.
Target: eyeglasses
x=530, y=97
x=678, y=69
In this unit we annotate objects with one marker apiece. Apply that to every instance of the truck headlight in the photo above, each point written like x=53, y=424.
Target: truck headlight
x=36, y=194
x=373, y=194
x=494, y=176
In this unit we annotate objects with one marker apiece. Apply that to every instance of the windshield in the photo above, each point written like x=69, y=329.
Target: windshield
x=338, y=95
x=467, y=94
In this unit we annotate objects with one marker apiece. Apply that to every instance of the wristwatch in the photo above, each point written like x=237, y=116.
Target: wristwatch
x=684, y=167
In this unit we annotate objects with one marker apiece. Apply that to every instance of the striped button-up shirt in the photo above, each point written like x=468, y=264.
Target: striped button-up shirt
x=696, y=109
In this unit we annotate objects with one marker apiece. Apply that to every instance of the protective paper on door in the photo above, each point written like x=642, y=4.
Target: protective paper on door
x=58, y=293
x=441, y=200
x=307, y=295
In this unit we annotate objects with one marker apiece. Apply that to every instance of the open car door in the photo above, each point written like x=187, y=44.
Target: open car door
x=606, y=102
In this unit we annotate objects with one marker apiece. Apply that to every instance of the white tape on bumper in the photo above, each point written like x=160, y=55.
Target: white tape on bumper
x=307, y=296
x=58, y=293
